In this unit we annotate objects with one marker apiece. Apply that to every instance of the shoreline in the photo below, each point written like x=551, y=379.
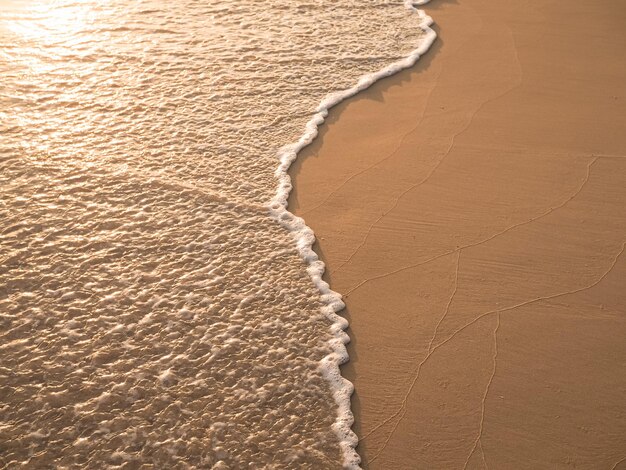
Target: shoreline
x=478, y=183
x=342, y=389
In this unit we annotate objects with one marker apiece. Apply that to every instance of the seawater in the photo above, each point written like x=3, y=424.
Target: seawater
x=159, y=307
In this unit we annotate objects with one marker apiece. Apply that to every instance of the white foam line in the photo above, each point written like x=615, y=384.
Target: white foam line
x=342, y=388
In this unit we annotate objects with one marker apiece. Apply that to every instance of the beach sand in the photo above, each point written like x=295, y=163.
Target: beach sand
x=472, y=211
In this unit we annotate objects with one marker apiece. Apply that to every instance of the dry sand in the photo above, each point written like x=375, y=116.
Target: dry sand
x=472, y=210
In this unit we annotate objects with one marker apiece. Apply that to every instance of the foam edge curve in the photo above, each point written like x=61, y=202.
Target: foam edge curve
x=332, y=303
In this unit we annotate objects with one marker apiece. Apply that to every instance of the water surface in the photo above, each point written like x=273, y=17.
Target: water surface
x=152, y=312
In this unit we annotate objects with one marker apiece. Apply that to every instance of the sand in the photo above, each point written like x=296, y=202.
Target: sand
x=472, y=212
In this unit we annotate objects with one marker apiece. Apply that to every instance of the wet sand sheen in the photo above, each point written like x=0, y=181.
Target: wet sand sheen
x=471, y=212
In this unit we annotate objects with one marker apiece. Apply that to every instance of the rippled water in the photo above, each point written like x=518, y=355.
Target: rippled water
x=152, y=309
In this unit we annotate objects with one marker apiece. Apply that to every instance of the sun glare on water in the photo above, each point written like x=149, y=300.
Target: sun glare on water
x=48, y=39
x=46, y=21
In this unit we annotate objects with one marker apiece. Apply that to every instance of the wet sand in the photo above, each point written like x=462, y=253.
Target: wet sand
x=472, y=212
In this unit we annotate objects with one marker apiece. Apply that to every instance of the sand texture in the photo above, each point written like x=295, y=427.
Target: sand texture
x=472, y=211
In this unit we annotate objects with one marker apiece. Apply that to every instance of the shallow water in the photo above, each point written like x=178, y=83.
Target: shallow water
x=152, y=311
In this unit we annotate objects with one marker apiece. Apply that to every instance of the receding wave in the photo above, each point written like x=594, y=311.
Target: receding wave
x=156, y=306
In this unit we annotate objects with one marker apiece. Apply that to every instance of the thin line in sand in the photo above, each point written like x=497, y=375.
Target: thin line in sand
x=432, y=171
x=471, y=245
x=497, y=312
x=482, y=412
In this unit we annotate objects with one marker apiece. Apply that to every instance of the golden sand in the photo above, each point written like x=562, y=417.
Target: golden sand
x=472, y=212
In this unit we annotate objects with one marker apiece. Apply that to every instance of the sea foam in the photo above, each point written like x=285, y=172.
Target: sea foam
x=154, y=312
x=305, y=238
